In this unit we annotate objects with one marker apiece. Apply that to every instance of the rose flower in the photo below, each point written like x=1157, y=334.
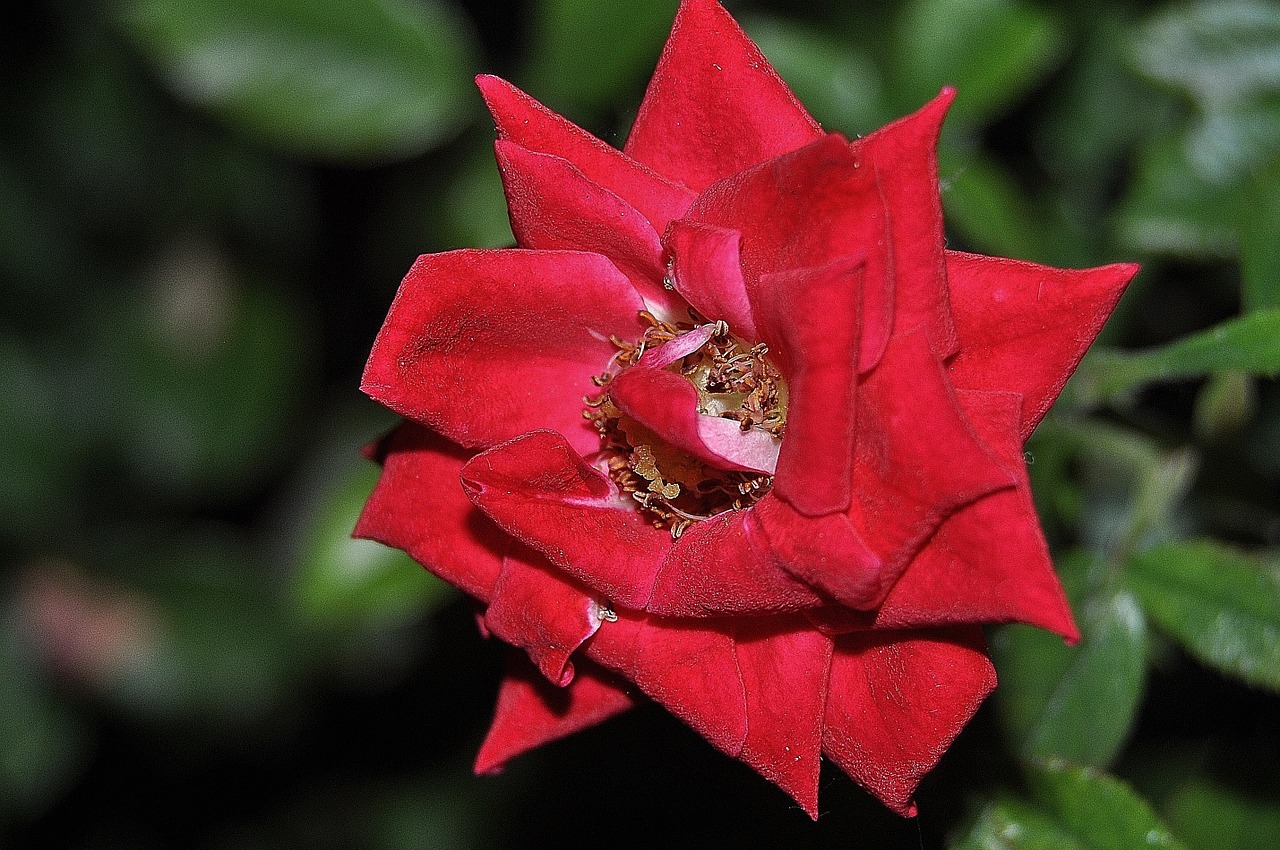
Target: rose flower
x=731, y=427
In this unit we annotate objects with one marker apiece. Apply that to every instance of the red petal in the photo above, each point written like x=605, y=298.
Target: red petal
x=538, y=611
x=895, y=703
x=904, y=161
x=715, y=106
x=724, y=566
x=810, y=317
x=532, y=712
x=989, y=562
x=807, y=209
x=827, y=552
x=419, y=506
x=667, y=404
x=554, y=206
x=1024, y=327
x=784, y=667
x=542, y=493
x=918, y=459
x=485, y=345
x=707, y=271
x=529, y=124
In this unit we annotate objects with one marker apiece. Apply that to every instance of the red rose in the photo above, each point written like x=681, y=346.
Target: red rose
x=731, y=426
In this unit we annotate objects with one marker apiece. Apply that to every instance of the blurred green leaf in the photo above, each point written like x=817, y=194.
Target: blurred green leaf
x=474, y=209
x=1219, y=50
x=1100, y=811
x=1015, y=825
x=1224, y=404
x=333, y=79
x=584, y=58
x=1259, y=225
x=992, y=51
x=1172, y=209
x=1074, y=702
x=1210, y=816
x=1224, y=607
x=1226, y=55
x=832, y=77
x=346, y=582
x=1248, y=344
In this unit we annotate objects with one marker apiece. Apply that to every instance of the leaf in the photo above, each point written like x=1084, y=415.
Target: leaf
x=992, y=51
x=1248, y=344
x=1172, y=209
x=1210, y=816
x=1015, y=825
x=1100, y=811
x=985, y=204
x=835, y=81
x=1074, y=702
x=1259, y=222
x=345, y=582
x=1223, y=606
x=364, y=80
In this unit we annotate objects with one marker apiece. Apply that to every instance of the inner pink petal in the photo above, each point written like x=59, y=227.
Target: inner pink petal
x=667, y=404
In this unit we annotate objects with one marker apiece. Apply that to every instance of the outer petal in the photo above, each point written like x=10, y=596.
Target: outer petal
x=810, y=317
x=542, y=613
x=1024, y=327
x=537, y=489
x=918, y=458
x=667, y=404
x=419, y=506
x=532, y=712
x=784, y=667
x=529, y=124
x=725, y=566
x=485, y=345
x=804, y=210
x=687, y=665
x=707, y=270
x=903, y=159
x=895, y=703
x=989, y=562
x=554, y=206
x=714, y=106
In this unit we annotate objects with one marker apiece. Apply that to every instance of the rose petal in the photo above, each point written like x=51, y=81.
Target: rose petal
x=529, y=124
x=827, y=552
x=714, y=106
x=810, y=317
x=419, y=506
x=538, y=490
x=918, y=459
x=804, y=210
x=784, y=667
x=554, y=206
x=903, y=159
x=725, y=566
x=542, y=613
x=707, y=271
x=677, y=349
x=667, y=404
x=532, y=712
x=1024, y=327
x=897, y=700
x=485, y=345
x=989, y=562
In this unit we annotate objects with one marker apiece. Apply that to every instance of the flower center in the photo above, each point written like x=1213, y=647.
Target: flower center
x=734, y=380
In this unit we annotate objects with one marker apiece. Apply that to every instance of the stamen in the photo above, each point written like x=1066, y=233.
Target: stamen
x=733, y=381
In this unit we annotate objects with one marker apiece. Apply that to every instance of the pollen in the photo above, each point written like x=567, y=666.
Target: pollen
x=734, y=380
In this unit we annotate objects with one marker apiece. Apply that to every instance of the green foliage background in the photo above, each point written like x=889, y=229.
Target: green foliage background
x=205, y=207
